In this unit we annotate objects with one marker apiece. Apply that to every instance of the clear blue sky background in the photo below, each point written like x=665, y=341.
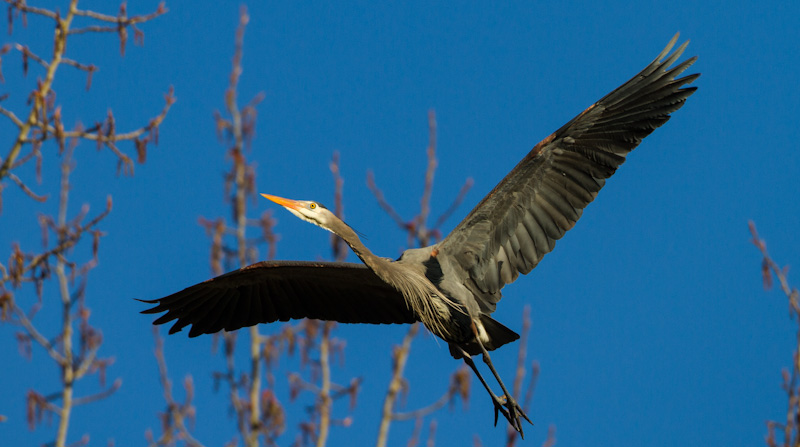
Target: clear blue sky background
x=649, y=319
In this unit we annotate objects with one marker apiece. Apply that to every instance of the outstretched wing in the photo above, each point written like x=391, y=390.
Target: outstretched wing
x=519, y=222
x=283, y=290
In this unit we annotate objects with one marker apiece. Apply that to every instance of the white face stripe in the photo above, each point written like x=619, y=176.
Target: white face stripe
x=298, y=214
x=315, y=216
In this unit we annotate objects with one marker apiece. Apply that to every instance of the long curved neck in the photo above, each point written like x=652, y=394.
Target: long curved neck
x=347, y=234
x=418, y=292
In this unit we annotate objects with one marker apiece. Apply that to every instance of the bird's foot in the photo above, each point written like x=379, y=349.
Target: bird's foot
x=510, y=409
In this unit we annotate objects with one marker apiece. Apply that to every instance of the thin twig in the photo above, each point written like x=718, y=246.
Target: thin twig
x=325, y=391
x=176, y=414
x=28, y=54
x=399, y=359
x=60, y=43
x=121, y=20
x=455, y=204
x=791, y=380
x=768, y=264
x=382, y=201
x=551, y=437
x=421, y=413
x=21, y=6
x=98, y=396
x=25, y=188
x=72, y=237
x=511, y=434
x=339, y=246
x=10, y=115
x=37, y=336
x=425, y=203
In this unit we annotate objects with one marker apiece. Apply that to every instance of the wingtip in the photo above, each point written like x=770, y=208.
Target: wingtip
x=677, y=36
x=174, y=329
x=667, y=51
x=152, y=310
x=669, y=46
x=681, y=49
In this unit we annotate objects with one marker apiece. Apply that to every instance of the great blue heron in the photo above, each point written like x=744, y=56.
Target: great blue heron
x=453, y=286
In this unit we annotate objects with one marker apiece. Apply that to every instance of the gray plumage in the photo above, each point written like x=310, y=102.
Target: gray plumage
x=453, y=286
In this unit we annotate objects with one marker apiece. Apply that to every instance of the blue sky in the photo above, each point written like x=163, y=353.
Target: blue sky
x=649, y=319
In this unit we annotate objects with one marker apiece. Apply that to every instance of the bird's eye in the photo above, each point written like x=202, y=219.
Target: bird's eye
x=312, y=205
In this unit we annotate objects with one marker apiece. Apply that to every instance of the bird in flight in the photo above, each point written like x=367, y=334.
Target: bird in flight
x=453, y=286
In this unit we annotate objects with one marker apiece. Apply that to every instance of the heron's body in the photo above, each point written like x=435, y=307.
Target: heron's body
x=454, y=308
x=453, y=286
x=428, y=284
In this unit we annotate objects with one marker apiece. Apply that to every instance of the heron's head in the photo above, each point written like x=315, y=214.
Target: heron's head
x=310, y=211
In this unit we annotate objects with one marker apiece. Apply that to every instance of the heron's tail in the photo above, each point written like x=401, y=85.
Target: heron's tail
x=498, y=336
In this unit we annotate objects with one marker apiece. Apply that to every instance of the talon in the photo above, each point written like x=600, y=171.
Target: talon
x=513, y=413
x=526, y=418
x=500, y=407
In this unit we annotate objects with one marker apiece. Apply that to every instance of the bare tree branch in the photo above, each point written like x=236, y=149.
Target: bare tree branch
x=791, y=379
x=75, y=346
x=173, y=420
x=399, y=359
x=39, y=125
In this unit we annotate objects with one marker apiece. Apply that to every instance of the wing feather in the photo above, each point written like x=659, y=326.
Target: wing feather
x=255, y=309
x=520, y=220
x=282, y=290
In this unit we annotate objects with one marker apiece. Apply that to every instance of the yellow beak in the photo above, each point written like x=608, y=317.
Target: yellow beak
x=288, y=203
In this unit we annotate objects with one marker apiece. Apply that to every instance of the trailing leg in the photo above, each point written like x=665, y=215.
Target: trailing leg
x=497, y=401
x=514, y=411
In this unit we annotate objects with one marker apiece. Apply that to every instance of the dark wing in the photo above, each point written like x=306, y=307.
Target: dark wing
x=283, y=290
x=519, y=222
